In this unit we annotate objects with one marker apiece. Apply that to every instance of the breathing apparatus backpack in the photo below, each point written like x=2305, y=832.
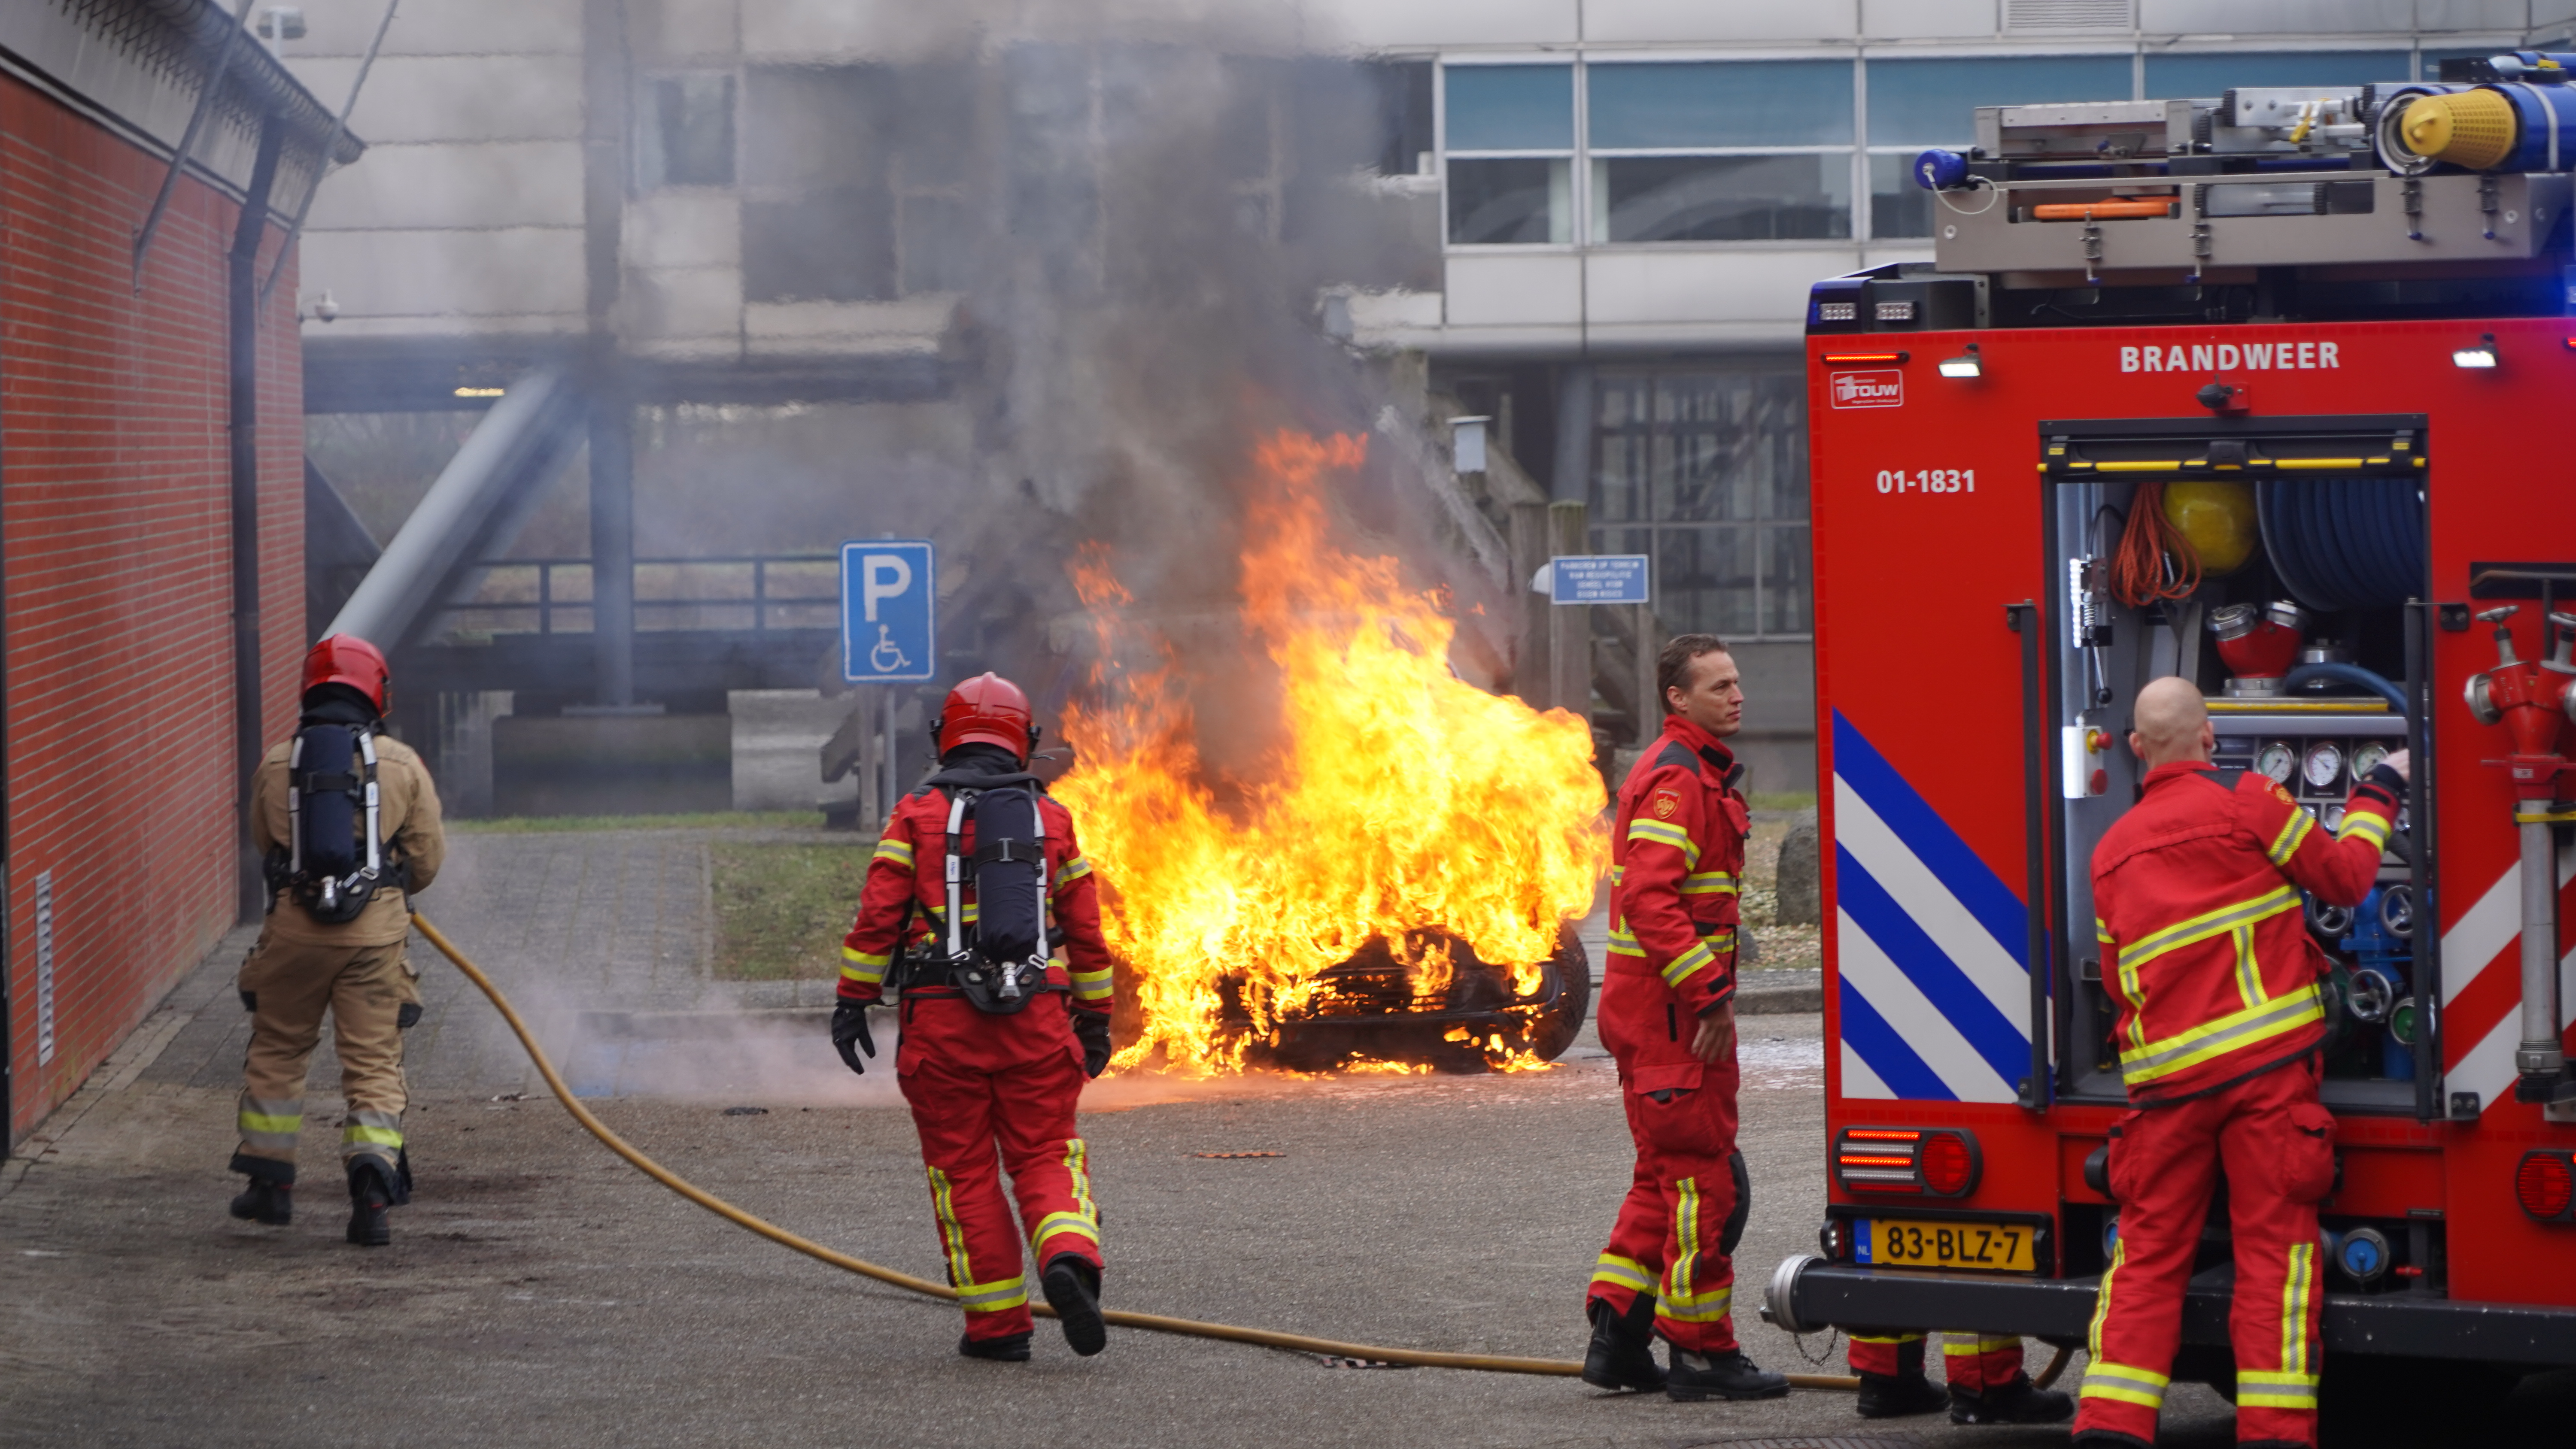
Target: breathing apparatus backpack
x=999, y=962
x=334, y=857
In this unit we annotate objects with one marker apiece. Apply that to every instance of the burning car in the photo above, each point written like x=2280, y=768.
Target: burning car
x=1397, y=884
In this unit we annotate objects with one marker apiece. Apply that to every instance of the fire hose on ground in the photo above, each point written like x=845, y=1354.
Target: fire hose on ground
x=1152, y=1322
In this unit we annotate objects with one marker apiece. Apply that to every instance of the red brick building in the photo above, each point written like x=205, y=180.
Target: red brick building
x=151, y=502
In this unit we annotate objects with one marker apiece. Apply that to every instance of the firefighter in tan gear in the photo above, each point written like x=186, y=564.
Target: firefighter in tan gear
x=346, y=820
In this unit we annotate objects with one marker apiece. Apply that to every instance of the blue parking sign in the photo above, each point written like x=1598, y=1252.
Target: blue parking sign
x=889, y=611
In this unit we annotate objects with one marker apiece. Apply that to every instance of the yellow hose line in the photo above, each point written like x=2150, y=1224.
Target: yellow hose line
x=1154, y=1322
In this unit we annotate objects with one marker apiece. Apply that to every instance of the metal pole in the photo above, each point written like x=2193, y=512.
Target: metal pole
x=1569, y=645
x=612, y=541
x=893, y=787
x=322, y=167
x=249, y=679
x=188, y=140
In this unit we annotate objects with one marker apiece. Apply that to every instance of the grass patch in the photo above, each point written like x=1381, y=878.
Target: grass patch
x=1781, y=799
x=781, y=910
x=716, y=820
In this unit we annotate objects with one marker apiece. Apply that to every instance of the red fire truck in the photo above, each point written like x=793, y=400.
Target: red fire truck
x=2311, y=332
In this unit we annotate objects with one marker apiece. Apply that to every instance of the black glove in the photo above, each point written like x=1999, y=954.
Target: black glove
x=850, y=1024
x=1091, y=1028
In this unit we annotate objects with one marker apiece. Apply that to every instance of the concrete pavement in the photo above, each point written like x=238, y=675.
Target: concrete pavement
x=540, y=1291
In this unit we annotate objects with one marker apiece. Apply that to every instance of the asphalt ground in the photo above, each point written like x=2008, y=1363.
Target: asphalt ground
x=541, y=1291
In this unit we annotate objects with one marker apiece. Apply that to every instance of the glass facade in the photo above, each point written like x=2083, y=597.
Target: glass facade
x=1704, y=470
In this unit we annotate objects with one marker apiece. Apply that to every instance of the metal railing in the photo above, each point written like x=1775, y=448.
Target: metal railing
x=750, y=593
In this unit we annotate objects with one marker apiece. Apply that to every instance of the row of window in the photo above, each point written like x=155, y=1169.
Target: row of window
x=1776, y=150
x=1705, y=472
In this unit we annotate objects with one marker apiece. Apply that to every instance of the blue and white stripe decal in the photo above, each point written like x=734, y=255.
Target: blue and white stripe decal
x=1931, y=986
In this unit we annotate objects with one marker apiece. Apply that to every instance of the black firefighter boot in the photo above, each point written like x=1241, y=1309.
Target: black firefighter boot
x=2018, y=1402
x=266, y=1201
x=1072, y=1288
x=1903, y=1393
x=371, y=1192
x=1009, y=1348
x=1622, y=1355
x=1728, y=1375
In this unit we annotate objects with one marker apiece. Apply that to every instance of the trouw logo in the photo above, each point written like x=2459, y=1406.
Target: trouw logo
x=1868, y=389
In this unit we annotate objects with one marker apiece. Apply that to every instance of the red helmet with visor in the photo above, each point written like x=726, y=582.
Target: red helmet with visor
x=986, y=709
x=350, y=660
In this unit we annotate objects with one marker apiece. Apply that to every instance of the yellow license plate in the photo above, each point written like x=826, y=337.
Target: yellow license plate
x=1904, y=1243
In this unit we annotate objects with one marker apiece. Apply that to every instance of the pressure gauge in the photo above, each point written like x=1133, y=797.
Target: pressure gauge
x=2367, y=759
x=2331, y=818
x=2323, y=765
x=2275, y=761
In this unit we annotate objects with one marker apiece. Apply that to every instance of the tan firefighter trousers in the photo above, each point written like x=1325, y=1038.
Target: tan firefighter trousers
x=288, y=985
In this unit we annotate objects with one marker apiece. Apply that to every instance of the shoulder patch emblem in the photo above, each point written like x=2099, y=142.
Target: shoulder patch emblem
x=2282, y=795
x=1667, y=804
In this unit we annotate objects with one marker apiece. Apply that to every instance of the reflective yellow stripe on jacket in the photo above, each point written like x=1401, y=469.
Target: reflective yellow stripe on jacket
x=2209, y=923
x=863, y=967
x=1659, y=832
x=2245, y=1028
x=898, y=851
x=1709, y=883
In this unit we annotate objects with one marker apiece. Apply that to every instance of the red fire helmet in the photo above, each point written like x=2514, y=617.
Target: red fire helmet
x=350, y=660
x=986, y=709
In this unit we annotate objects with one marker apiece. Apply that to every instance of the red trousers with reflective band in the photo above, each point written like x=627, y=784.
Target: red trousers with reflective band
x=2278, y=1148
x=989, y=1093
x=1668, y=1240
x=1971, y=1361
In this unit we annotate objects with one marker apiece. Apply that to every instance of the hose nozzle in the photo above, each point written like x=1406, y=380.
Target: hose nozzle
x=2505, y=657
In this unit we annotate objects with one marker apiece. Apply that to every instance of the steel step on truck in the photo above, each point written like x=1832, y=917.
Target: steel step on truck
x=2323, y=343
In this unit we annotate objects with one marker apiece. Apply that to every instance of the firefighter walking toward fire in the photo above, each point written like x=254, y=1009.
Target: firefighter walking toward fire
x=1668, y=1017
x=2206, y=949
x=981, y=913
x=347, y=824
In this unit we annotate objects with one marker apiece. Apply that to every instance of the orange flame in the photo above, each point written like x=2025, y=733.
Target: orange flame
x=1402, y=804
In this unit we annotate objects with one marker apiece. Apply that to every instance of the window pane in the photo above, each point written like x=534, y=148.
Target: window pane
x=1770, y=103
x=693, y=117
x=1722, y=198
x=2430, y=61
x=1787, y=588
x=1511, y=107
x=2210, y=74
x=1624, y=463
x=1527, y=201
x=1897, y=207
x=1934, y=102
x=1704, y=581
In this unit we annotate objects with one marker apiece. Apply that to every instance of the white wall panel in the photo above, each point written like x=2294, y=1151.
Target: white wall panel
x=1490, y=290
x=2490, y=16
x=697, y=302
x=458, y=275
x=458, y=98
x=687, y=227
x=1683, y=287
x=1738, y=23
x=1375, y=24
x=1929, y=19
x=2273, y=17
x=662, y=30
x=499, y=183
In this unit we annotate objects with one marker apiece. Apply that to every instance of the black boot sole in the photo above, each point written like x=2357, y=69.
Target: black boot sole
x=370, y=1229
x=1701, y=1396
x=1014, y=1349
x=1085, y=1332
x=266, y=1219
x=1616, y=1384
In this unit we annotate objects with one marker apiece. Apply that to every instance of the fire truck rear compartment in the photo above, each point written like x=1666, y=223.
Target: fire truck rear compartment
x=2314, y=533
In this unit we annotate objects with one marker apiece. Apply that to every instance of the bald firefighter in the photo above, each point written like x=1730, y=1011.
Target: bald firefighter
x=980, y=891
x=1668, y=1017
x=2205, y=947
x=346, y=821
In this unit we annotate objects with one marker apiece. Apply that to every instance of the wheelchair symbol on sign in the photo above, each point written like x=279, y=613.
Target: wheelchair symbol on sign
x=887, y=656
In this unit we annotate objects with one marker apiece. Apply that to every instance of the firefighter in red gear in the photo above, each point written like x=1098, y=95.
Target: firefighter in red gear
x=2206, y=949
x=1668, y=1016
x=982, y=1084
x=1986, y=1381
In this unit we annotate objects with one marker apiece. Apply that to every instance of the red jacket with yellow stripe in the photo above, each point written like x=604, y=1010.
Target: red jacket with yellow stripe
x=911, y=861
x=2204, y=938
x=1677, y=859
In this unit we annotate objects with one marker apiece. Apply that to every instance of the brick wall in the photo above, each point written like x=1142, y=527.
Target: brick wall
x=114, y=518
